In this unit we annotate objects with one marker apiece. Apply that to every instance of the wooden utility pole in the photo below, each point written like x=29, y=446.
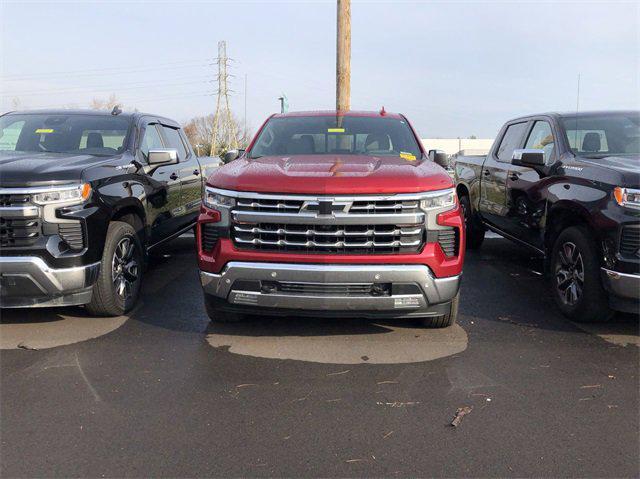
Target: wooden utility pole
x=343, y=57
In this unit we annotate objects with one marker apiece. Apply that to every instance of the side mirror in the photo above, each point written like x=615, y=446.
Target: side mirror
x=163, y=156
x=441, y=159
x=528, y=157
x=232, y=155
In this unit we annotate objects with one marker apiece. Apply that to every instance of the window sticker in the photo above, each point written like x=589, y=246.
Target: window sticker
x=335, y=130
x=407, y=156
x=44, y=130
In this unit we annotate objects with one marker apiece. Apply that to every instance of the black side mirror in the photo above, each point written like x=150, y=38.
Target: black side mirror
x=528, y=157
x=162, y=156
x=232, y=155
x=441, y=159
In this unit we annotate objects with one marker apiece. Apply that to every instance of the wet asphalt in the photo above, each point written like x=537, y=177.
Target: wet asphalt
x=154, y=398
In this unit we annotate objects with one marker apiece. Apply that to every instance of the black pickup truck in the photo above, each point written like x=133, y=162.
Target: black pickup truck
x=568, y=187
x=84, y=196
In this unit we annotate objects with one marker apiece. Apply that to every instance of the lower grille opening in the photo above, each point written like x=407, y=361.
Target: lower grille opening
x=325, y=289
x=449, y=240
x=210, y=237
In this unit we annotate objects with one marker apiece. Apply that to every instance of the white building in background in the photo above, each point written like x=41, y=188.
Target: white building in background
x=451, y=146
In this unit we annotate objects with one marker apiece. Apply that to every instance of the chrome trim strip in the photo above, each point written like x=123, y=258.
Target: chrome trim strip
x=19, y=212
x=339, y=232
x=240, y=216
x=337, y=244
x=340, y=198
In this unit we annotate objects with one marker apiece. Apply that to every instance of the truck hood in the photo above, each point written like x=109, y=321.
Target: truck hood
x=32, y=169
x=626, y=168
x=330, y=174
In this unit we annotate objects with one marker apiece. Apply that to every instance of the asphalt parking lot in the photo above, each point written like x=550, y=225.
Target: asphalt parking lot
x=164, y=393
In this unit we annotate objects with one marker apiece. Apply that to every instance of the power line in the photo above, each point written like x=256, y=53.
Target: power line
x=112, y=70
x=100, y=88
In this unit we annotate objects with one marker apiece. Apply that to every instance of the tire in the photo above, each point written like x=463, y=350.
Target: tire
x=575, y=277
x=445, y=320
x=217, y=315
x=474, y=230
x=121, y=267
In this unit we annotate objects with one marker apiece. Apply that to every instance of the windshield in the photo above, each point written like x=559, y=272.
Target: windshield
x=348, y=135
x=608, y=134
x=99, y=135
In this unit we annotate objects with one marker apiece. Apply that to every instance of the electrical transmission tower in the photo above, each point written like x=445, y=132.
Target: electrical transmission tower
x=223, y=124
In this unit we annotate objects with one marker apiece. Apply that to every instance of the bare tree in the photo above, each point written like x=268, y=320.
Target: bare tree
x=199, y=131
x=105, y=104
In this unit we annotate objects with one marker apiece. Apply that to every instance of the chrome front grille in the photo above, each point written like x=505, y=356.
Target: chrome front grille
x=340, y=225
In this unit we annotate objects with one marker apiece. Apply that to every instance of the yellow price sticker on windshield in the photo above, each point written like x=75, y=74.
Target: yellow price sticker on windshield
x=407, y=156
x=44, y=130
x=335, y=130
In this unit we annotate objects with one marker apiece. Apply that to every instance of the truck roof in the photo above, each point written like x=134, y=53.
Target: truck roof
x=370, y=114
x=570, y=114
x=62, y=111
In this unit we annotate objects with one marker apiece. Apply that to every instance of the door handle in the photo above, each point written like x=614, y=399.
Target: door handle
x=196, y=172
x=514, y=177
x=486, y=173
x=173, y=176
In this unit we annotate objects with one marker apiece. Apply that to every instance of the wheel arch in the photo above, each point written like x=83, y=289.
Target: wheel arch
x=561, y=216
x=131, y=211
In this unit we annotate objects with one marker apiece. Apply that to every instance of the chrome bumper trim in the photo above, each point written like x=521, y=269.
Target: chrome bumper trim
x=51, y=282
x=433, y=290
x=623, y=285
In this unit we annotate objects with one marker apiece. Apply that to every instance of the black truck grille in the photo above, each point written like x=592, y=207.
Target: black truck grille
x=449, y=240
x=13, y=200
x=630, y=240
x=210, y=237
x=18, y=232
x=329, y=238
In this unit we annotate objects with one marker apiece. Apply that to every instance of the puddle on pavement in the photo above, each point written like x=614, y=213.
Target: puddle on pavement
x=43, y=328
x=338, y=341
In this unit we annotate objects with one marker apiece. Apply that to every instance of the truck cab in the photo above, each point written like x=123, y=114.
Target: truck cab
x=84, y=196
x=566, y=187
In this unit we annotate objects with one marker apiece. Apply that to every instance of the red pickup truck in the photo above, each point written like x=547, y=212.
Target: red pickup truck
x=332, y=214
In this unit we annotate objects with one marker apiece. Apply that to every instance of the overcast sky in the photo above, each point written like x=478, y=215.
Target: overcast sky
x=454, y=68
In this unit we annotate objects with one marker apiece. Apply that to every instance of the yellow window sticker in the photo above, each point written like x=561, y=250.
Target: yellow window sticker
x=407, y=156
x=44, y=130
x=335, y=130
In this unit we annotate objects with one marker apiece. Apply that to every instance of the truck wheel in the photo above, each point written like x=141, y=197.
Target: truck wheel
x=217, y=315
x=446, y=320
x=474, y=231
x=118, y=284
x=575, y=277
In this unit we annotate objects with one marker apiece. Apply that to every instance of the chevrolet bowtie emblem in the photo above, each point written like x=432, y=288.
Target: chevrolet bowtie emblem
x=326, y=207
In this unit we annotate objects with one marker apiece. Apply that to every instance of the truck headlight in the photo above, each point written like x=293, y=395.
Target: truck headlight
x=213, y=199
x=69, y=195
x=439, y=199
x=627, y=197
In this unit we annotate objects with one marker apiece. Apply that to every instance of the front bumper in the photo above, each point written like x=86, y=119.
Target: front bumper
x=334, y=289
x=27, y=281
x=624, y=289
